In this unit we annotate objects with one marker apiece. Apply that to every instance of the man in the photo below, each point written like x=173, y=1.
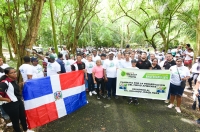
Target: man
x=26, y=69
x=53, y=52
x=37, y=68
x=2, y=65
x=95, y=57
x=169, y=61
x=68, y=62
x=61, y=63
x=119, y=60
x=110, y=74
x=152, y=56
x=103, y=58
x=133, y=55
x=64, y=52
x=79, y=65
x=127, y=62
x=143, y=63
x=53, y=67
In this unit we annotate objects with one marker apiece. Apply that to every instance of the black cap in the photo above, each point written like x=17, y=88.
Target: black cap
x=103, y=54
x=34, y=59
x=133, y=61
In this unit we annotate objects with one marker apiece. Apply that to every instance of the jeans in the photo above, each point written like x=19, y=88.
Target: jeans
x=3, y=113
x=90, y=83
x=193, y=77
x=111, y=86
x=100, y=81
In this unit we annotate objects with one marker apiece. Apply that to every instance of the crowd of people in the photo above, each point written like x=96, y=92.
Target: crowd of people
x=100, y=73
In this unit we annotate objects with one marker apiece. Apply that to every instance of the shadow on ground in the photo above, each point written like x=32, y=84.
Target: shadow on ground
x=118, y=116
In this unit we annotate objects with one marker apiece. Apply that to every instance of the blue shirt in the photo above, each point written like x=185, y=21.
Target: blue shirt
x=62, y=65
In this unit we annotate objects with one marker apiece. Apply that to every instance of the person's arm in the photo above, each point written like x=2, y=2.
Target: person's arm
x=5, y=99
x=29, y=76
x=105, y=76
x=93, y=76
x=40, y=56
x=197, y=88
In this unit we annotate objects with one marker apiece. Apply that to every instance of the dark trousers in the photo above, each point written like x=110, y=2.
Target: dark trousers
x=193, y=77
x=90, y=82
x=16, y=112
x=111, y=86
x=100, y=81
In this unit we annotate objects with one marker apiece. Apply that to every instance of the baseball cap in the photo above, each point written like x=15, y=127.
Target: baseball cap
x=51, y=56
x=178, y=55
x=111, y=53
x=103, y=54
x=133, y=61
x=34, y=59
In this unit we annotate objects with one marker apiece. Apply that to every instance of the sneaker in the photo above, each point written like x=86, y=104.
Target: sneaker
x=178, y=109
x=170, y=106
x=9, y=124
x=116, y=97
x=104, y=96
x=130, y=101
x=93, y=92
x=166, y=101
x=98, y=97
x=108, y=98
x=90, y=93
x=136, y=102
x=30, y=130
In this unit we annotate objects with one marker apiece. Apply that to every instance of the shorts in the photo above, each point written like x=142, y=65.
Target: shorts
x=176, y=90
x=187, y=62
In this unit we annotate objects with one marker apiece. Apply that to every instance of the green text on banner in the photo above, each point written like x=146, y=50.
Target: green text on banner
x=151, y=84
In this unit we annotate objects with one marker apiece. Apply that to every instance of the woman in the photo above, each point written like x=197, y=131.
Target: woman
x=188, y=58
x=178, y=73
x=97, y=74
x=89, y=66
x=13, y=105
x=155, y=65
x=195, y=72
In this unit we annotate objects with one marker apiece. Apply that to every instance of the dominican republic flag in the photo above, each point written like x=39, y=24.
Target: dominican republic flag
x=49, y=98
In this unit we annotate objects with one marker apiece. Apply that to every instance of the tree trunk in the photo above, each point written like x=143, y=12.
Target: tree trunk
x=198, y=34
x=1, y=50
x=53, y=26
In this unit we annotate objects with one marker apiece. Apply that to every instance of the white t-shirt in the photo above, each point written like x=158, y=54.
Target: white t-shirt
x=188, y=57
x=198, y=81
x=194, y=68
x=68, y=64
x=111, y=68
x=4, y=66
x=26, y=69
x=126, y=64
x=52, y=68
x=89, y=66
x=94, y=59
x=119, y=63
x=38, y=71
x=183, y=71
x=84, y=60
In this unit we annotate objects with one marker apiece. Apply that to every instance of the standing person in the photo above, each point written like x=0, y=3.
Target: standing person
x=152, y=56
x=14, y=106
x=95, y=57
x=119, y=60
x=53, y=67
x=3, y=65
x=155, y=65
x=68, y=62
x=197, y=93
x=144, y=63
x=89, y=67
x=134, y=100
x=79, y=65
x=110, y=74
x=98, y=74
x=103, y=58
x=169, y=61
x=188, y=58
x=195, y=70
x=61, y=63
x=178, y=73
x=53, y=52
x=64, y=52
x=127, y=62
x=26, y=69
x=37, y=68
x=167, y=64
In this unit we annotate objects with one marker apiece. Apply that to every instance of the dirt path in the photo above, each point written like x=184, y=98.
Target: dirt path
x=118, y=116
